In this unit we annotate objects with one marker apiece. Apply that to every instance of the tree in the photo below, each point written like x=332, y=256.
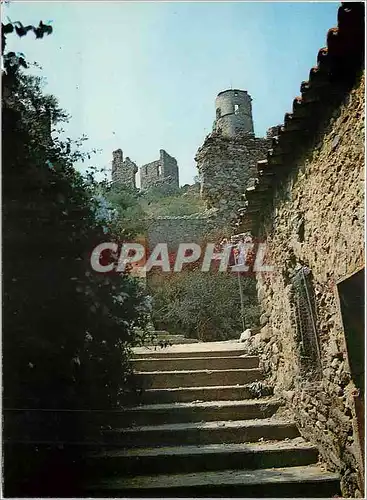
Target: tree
x=129, y=220
x=204, y=305
x=67, y=331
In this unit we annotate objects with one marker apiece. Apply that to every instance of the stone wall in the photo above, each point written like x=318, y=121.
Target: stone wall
x=317, y=221
x=176, y=230
x=123, y=172
x=226, y=167
x=272, y=132
x=160, y=172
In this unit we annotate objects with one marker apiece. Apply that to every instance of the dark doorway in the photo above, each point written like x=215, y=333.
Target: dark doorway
x=351, y=295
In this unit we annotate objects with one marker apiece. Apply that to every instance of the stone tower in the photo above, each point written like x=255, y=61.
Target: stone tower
x=123, y=172
x=227, y=161
x=233, y=113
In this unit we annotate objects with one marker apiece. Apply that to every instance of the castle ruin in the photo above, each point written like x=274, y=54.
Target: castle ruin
x=123, y=172
x=227, y=160
x=161, y=172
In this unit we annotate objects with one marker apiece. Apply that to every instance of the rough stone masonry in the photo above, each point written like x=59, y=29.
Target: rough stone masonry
x=161, y=172
x=227, y=160
x=123, y=172
x=316, y=222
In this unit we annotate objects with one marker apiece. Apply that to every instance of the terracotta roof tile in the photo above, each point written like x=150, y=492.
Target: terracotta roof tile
x=338, y=65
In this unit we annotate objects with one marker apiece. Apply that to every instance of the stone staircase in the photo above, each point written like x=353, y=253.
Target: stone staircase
x=200, y=432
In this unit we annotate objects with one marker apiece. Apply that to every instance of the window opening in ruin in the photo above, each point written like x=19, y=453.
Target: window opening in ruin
x=236, y=94
x=301, y=231
x=236, y=109
x=351, y=297
x=146, y=170
x=303, y=299
x=218, y=113
x=159, y=170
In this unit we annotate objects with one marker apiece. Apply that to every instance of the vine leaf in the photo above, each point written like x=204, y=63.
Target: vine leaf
x=8, y=28
x=22, y=30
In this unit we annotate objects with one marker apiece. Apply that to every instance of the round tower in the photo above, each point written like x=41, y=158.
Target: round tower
x=233, y=113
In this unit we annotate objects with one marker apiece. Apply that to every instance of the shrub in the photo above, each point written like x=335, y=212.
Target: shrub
x=202, y=305
x=67, y=331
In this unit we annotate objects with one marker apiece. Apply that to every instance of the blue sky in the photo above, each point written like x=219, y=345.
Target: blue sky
x=143, y=76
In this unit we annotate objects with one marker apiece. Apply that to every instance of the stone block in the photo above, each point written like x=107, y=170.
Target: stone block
x=264, y=318
x=266, y=333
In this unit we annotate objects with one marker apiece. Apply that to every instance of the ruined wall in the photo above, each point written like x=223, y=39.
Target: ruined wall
x=160, y=172
x=226, y=167
x=123, y=172
x=176, y=230
x=272, y=132
x=318, y=221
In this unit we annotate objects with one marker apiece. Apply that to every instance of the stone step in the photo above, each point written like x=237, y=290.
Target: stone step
x=200, y=433
x=306, y=482
x=170, y=343
x=173, y=413
x=173, y=339
x=142, y=415
x=200, y=349
x=293, y=452
x=168, y=352
x=195, y=363
x=188, y=394
x=199, y=378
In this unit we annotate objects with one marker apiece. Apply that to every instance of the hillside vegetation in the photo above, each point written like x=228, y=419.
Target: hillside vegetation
x=157, y=202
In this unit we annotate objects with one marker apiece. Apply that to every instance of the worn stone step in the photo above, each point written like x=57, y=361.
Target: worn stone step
x=200, y=378
x=198, y=433
x=142, y=415
x=173, y=339
x=306, y=482
x=200, y=349
x=157, y=414
x=293, y=452
x=195, y=363
x=187, y=394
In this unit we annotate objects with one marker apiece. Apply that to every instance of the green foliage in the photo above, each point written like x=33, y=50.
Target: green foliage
x=203, y=305
x=67, y=330
x=42, y=29
x=156, y=193
x=178, y=205
x=134, y=206
x=130, y=215
x=12, y=61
